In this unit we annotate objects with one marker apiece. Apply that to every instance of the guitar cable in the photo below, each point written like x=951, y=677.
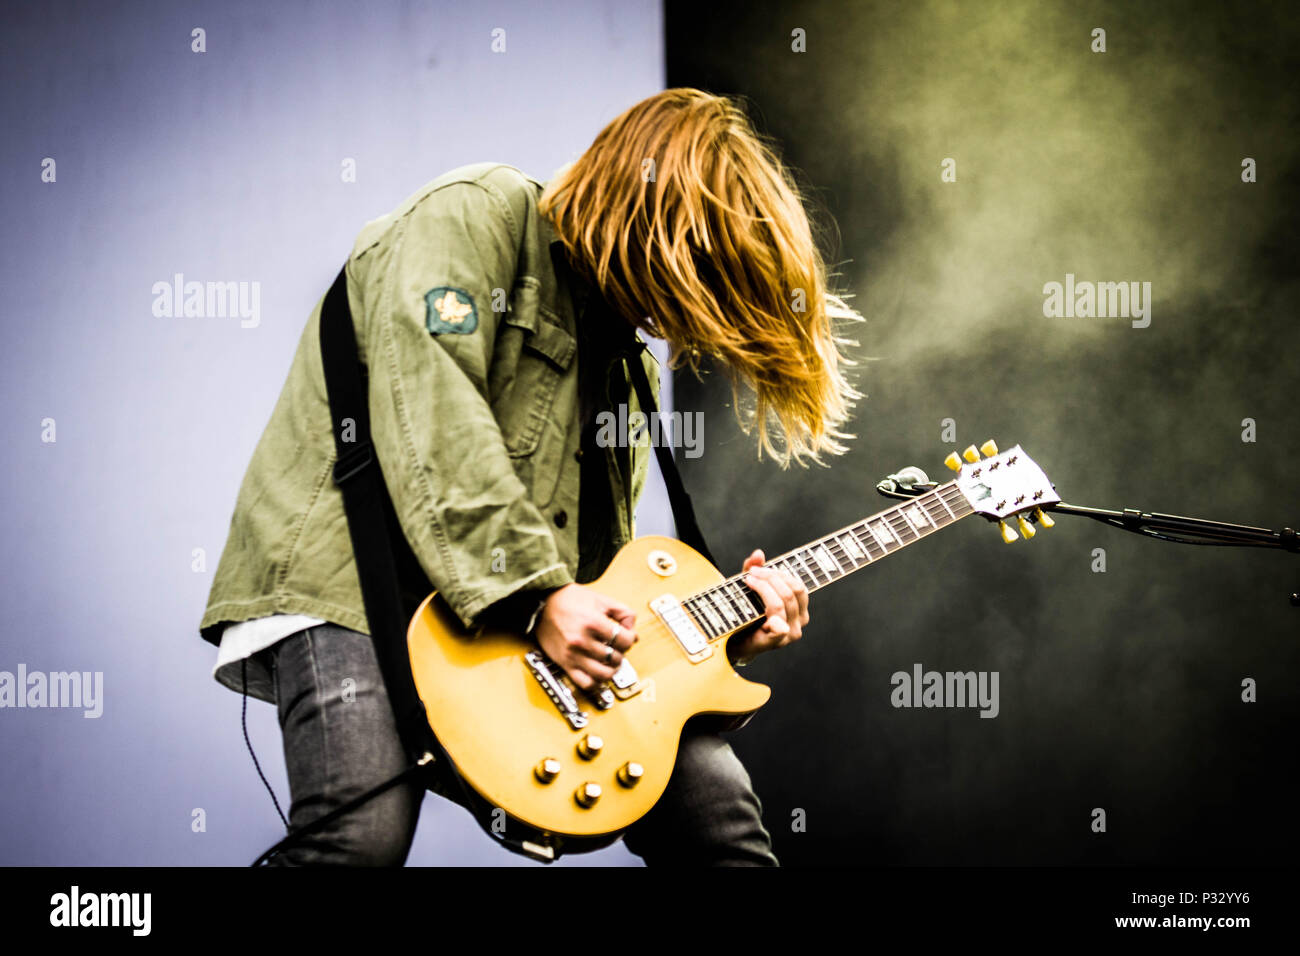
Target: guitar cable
x=293, y=836
x=243, y=719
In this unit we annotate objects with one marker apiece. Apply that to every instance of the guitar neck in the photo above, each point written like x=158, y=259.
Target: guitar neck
x=731, y=605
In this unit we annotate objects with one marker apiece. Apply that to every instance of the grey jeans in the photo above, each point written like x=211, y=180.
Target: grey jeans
x=340, y=740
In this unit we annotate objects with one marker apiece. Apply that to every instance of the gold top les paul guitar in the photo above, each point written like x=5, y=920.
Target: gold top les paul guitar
x=578, y=768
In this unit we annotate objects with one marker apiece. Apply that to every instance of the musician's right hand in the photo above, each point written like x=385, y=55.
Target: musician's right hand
x=574, y=630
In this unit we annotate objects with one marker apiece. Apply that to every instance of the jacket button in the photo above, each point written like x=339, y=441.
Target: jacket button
x=577, y=455
x=561, y=518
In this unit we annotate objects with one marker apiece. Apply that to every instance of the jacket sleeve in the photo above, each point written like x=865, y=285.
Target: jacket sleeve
x=429, y=332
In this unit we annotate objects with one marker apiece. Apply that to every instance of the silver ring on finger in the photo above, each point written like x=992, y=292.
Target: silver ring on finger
x=609, y=655
x=618, y=629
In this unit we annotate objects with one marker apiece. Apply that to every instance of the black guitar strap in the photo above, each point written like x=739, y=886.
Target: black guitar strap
x=370, y=515
x=688, y=530
x=384, y=561
x=384, y=564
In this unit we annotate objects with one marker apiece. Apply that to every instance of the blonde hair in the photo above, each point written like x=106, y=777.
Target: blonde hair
x=685, y=219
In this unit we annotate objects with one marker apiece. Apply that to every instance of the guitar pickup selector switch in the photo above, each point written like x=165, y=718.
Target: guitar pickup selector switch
x=662, y=563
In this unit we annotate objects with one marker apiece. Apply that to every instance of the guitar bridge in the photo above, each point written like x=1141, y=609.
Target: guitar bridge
x=556, y=690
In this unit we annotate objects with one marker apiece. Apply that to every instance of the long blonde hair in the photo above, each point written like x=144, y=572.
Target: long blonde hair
x=686, y=220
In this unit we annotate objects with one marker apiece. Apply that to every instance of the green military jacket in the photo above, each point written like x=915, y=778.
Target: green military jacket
x=465, y=310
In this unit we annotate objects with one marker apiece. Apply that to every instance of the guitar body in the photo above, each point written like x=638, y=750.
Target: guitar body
x=498, y=724
x=524, y=738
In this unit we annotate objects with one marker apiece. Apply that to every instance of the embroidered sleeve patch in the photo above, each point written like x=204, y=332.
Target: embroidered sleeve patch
x=449, y=309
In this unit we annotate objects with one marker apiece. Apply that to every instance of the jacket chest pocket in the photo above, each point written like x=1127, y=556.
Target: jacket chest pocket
x=532, y=356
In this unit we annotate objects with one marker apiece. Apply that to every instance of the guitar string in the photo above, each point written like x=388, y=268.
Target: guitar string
x=946, y=496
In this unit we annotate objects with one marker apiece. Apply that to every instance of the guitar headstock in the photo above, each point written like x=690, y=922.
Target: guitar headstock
x=1004, y=484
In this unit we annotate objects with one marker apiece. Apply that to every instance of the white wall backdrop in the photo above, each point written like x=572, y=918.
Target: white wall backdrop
x=223, y=165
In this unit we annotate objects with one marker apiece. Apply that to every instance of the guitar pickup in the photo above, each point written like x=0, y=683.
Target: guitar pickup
x=625, y=676
x=679, y=624
x=626, y=681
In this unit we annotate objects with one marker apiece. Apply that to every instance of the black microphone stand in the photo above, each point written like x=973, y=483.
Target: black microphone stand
x=1175, y=528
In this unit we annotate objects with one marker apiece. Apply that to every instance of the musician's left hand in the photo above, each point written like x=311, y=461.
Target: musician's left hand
x=785, y=600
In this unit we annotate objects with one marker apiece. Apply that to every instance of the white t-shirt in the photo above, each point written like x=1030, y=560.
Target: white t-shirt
x=243, y=640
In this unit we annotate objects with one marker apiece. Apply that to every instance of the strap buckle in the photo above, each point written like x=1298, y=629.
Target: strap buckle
x=353, y=461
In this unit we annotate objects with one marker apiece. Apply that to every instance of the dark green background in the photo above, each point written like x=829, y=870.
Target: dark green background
x=1118, y=690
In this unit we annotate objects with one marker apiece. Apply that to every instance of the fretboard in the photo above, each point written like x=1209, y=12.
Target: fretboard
x=731, y=605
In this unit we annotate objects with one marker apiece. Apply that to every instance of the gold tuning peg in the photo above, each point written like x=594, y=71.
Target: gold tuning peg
x=952, y=461
x=971, y=455
x=1043, y=518
x=1008, y=535
x=989, y=448
x=1025, y=527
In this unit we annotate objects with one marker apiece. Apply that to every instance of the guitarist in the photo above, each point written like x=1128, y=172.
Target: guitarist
x=495, y=316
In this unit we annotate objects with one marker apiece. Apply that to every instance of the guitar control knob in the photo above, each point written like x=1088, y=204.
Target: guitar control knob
x=587, y=795
x=547, y=770
x=630, y=774
x=589, y=746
